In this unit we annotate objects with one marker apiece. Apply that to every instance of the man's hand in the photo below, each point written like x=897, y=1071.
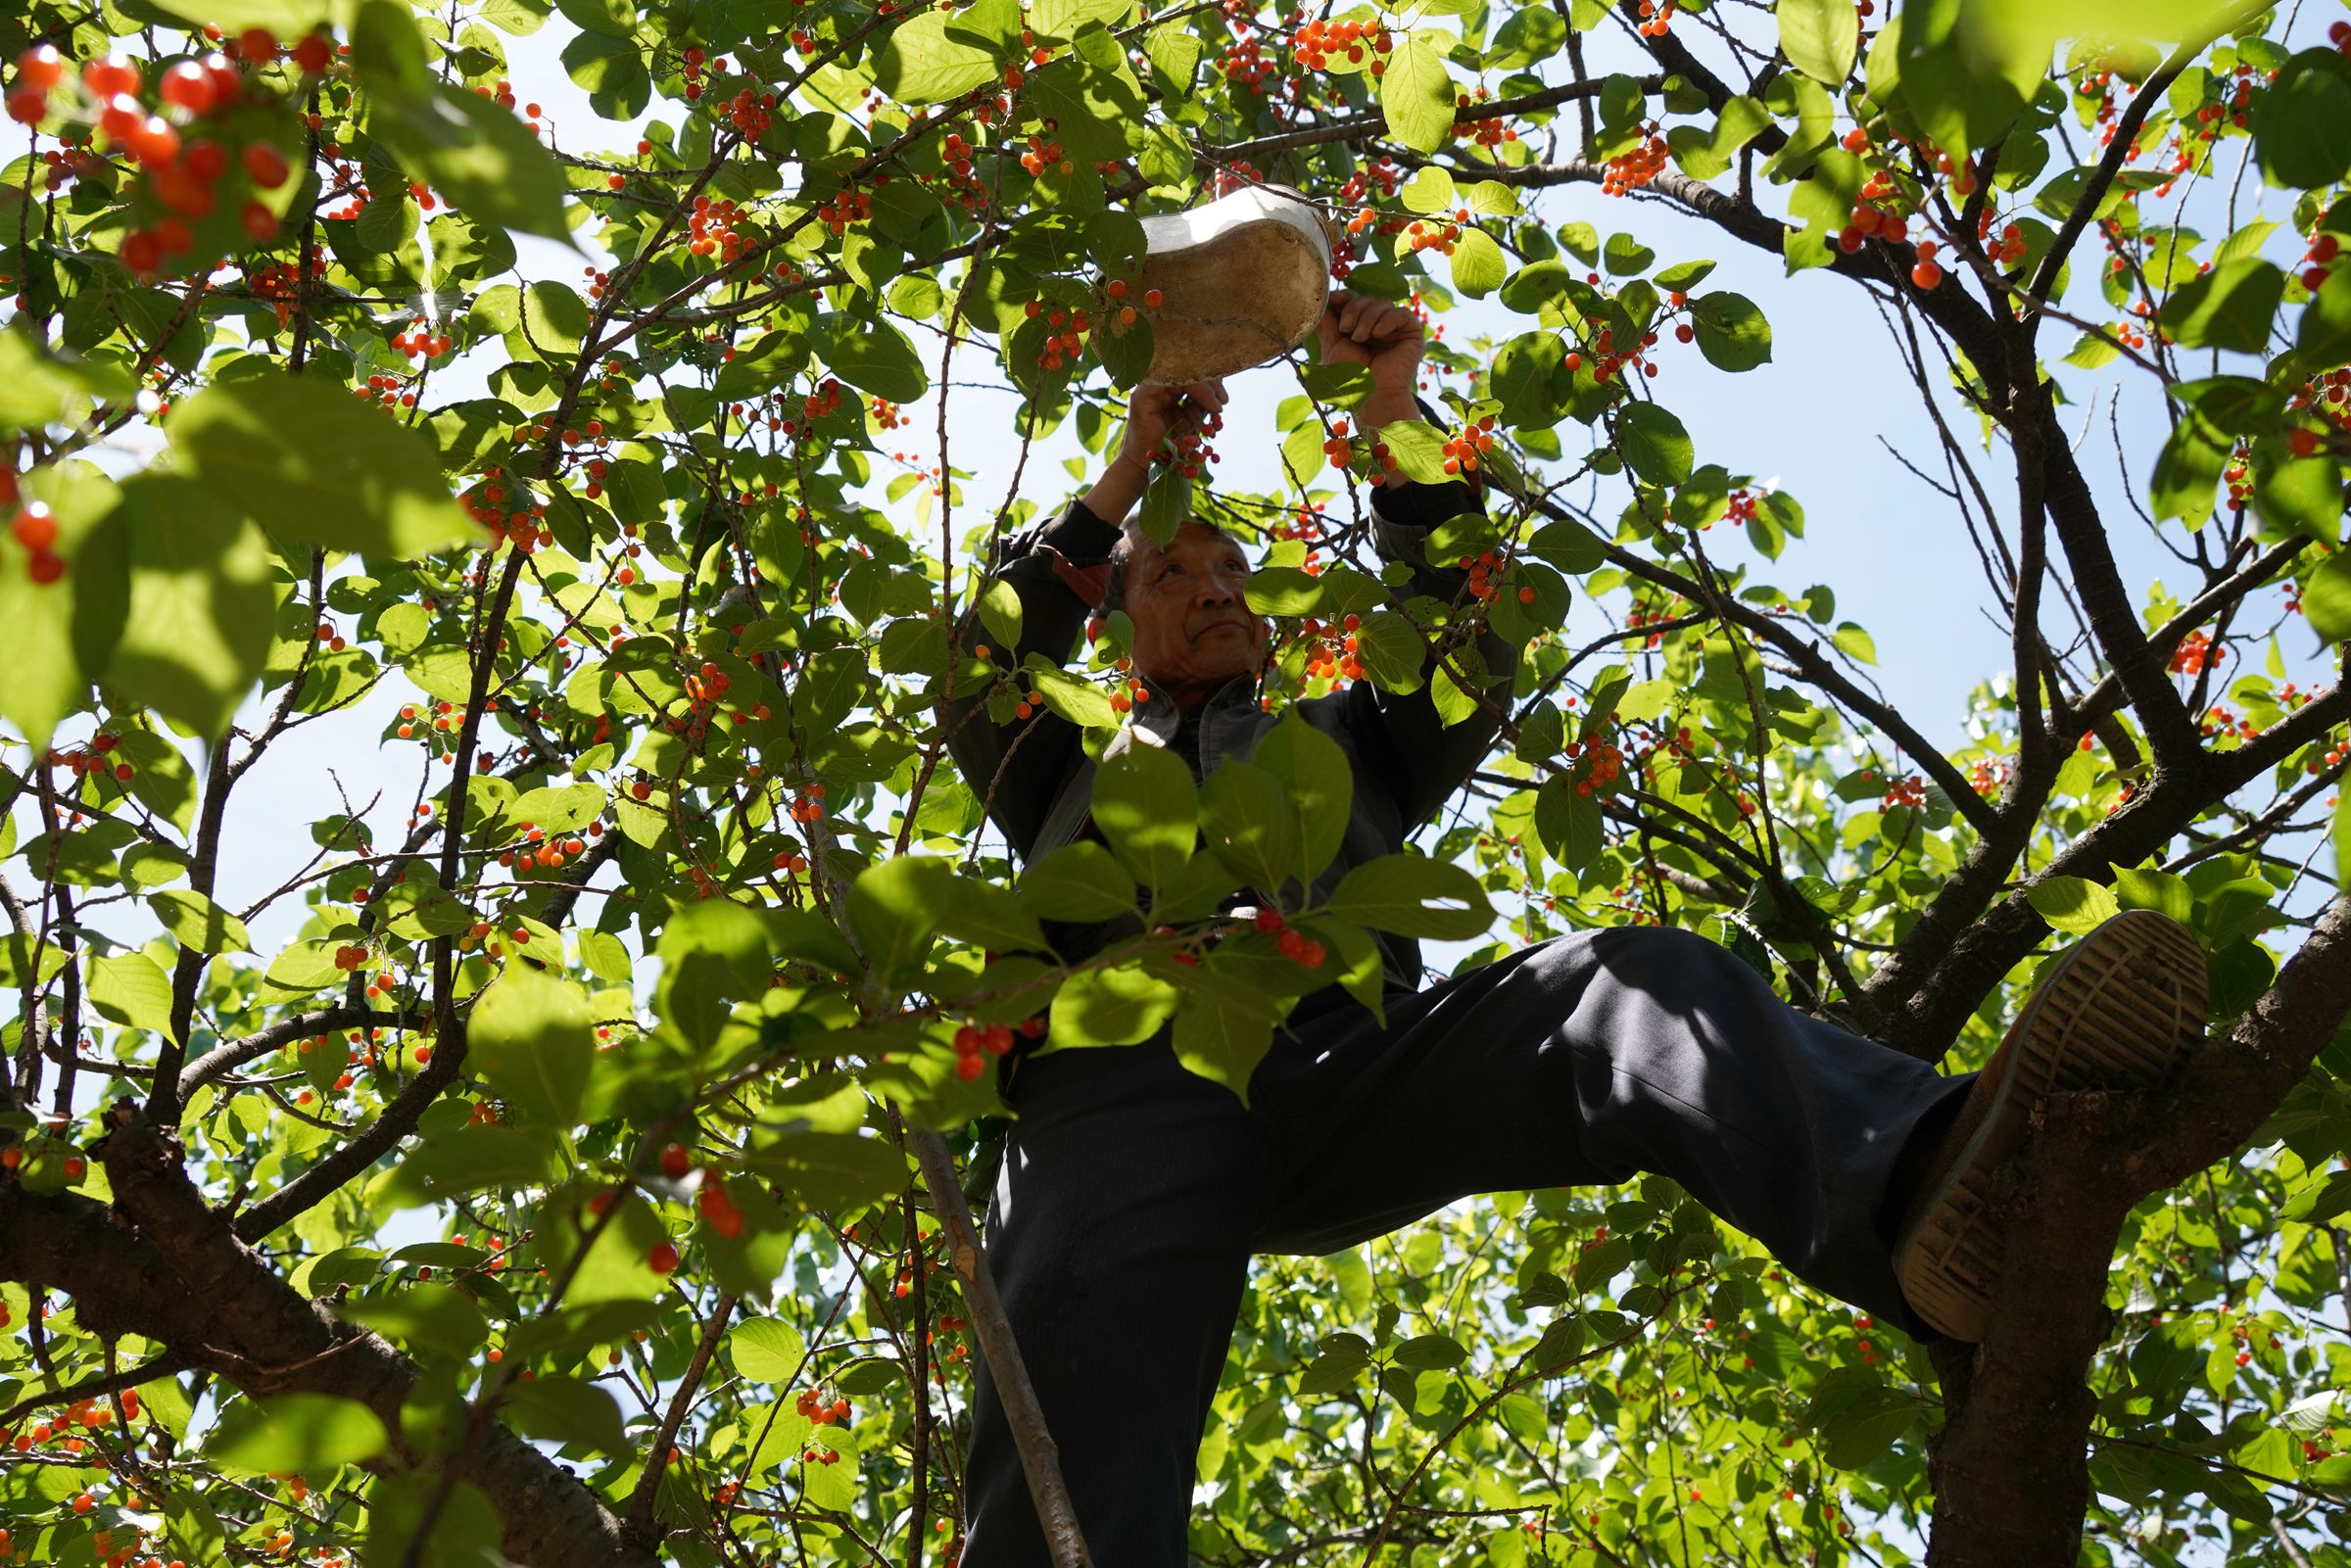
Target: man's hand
x=1153, y=415
x=1386, y=339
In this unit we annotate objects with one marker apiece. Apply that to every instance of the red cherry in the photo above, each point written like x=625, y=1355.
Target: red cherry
x=227, y=80
x=266, y=164
x=115, y=73
x=256, y=46
x=28, y=106
x=154, y=141
x=258, y=221
x=208, y=161
x=1268, y=921
x=675, y=1162
x=313, y=54
x=968, y=1068
x=188, y=85
x=142, y=251
x=661, y=1258
x=41, y=67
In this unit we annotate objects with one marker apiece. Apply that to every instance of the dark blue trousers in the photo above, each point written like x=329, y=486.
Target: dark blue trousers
x=1134, y=1193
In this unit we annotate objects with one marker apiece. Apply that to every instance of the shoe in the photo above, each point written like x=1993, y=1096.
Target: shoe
x=2120, y=1011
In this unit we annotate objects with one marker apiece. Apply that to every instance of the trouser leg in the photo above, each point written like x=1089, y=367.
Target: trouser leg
x=1118, y=1233
x=1583, y=1060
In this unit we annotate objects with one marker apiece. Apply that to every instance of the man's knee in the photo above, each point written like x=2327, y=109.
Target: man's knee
x=1651, y=957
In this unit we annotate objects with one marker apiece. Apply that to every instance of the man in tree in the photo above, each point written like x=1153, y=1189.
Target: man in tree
x=1134, y=1192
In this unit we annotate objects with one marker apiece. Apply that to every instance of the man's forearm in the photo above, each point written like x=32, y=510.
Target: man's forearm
x=1118, y=489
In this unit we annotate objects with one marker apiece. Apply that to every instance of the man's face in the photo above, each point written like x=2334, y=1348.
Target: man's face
x=1192, y=629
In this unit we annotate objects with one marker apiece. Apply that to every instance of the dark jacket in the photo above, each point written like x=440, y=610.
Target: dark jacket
x=1407, y=762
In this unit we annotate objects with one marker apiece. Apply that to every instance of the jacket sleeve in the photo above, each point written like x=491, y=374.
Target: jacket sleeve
x=1429, y=759
x=1018, y=781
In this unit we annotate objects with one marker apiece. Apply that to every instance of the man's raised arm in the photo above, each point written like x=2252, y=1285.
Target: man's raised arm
x=1059, y=569
x=1429, y=758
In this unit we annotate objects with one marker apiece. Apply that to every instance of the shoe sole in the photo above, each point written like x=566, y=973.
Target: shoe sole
x=2120, y=1011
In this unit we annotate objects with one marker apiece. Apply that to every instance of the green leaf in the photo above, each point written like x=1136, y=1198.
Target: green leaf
x=767, y=1349
x=922, y=63
x=284, y=19
x=2187, y=468
x=1319, y=787
x=2158, y=890
x=1820, y=38
x=438, y=1318
x=1250, y=828
x=490, y=165
x=1414, y=895
x=1148, y=807
x=1061, y=19
x=199, y=923
x=1570, y=823
x=1418, y=448
x=295, y=1434
x=1656, y=446
x=531, y=1037
x=2231, y=306
x=313, y=466
x=1416, y=96
x=2324, y=339
x=2326, y=598
x=2302, y=122
x=894, y=909
x=555, y=1408
x=1857, y=1435
x=1478, y=266
x=1077, y=882
x=59, y=633
x=129, y=988
x=198, y=632
x=1082, y=702
x=1428, y=191
x=1732, y=333
x=1116, y=1006
x=874, y=356
x=2071, y=903
x=1000, y=614
x=1224, y=1037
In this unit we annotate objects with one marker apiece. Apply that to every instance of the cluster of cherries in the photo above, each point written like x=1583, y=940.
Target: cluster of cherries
x=811, y=1405
x=1629, y=172
x=711, y=229
x=849, y=206
x=750, y=112
x=974, y=1043
x=808, y=802
x=1440, y=234
x=1330, y=658
x=1909, y=791
x=1658, y=14
x=2196, y=653
x=1462, y=450
x=1594, y=766
x=1292, y=943
x=98, y=759
x=1315, y=42
x=181, y=172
